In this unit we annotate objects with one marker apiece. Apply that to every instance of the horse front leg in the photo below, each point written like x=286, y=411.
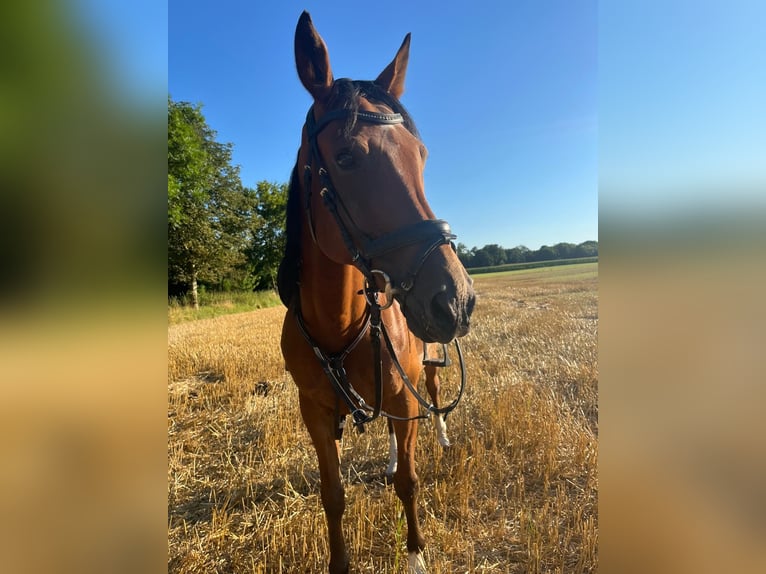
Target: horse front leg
x=407, y=488
x=433, y=385
x=321, y=426
x=393, y=456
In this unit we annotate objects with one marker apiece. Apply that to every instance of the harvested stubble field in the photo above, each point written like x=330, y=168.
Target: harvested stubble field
x=517, y=491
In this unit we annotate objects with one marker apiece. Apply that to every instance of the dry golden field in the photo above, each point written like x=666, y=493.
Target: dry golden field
x=517, y=491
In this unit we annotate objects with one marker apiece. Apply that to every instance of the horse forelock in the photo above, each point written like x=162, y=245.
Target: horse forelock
x=347, y=94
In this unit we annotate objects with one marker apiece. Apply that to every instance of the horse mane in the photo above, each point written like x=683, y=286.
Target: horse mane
x=289, y=268
x=345, y=95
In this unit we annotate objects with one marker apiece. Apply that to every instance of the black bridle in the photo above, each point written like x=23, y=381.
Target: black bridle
x=430, y=234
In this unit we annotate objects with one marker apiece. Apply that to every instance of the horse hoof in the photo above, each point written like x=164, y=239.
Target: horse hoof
x=415, y=564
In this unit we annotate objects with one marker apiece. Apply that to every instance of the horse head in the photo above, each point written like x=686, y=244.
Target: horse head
x=362, y=193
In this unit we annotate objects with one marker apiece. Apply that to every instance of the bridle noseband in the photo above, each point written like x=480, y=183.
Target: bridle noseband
x=431, y=234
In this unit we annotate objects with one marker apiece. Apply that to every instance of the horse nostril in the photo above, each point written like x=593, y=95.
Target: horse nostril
x=444, y=309
x=469, y=306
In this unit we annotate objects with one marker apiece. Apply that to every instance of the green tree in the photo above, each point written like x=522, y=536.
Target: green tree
x=206, y=228
x=479, y=258
x=516, y=254
x=464, y=254
x=267, y=232
x=587, y=249
x=565, y=250
x=545, y=253
x=488, y=256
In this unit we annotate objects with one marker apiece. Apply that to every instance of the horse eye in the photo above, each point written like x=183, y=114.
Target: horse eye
x=345, y=160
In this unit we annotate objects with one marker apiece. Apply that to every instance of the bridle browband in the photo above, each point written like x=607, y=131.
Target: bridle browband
x=431, y=233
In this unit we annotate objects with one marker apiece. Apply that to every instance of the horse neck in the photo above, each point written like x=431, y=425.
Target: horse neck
x=333, y=310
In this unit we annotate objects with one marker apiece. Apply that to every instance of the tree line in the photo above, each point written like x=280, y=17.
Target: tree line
x=222, y=235
x=225, y=236
x=493, y=254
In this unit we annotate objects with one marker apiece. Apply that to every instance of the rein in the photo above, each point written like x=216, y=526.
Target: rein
x=332, y=365
x=433, y=233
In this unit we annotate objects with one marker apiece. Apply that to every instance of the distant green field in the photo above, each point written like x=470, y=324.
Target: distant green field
x=214, y=304
x=530, y=265
x=571, y=272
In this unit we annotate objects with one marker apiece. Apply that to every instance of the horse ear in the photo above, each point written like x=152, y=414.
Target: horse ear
x=312, y=59
x=392, y=78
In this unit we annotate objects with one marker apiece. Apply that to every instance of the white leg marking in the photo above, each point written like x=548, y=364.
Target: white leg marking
x=392, y=455
x=441, y=431
x=415, y=564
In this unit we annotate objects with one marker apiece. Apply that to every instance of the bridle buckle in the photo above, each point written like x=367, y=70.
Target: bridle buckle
x=371, y=291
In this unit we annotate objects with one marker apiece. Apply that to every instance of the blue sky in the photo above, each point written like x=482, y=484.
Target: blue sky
x=503, y=94
x=682, y=106
x=130, y=40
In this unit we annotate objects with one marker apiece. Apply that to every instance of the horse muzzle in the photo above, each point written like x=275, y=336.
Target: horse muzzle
x=445, y=314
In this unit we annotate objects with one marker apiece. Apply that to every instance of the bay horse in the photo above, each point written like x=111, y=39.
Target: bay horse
x=368, y=274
